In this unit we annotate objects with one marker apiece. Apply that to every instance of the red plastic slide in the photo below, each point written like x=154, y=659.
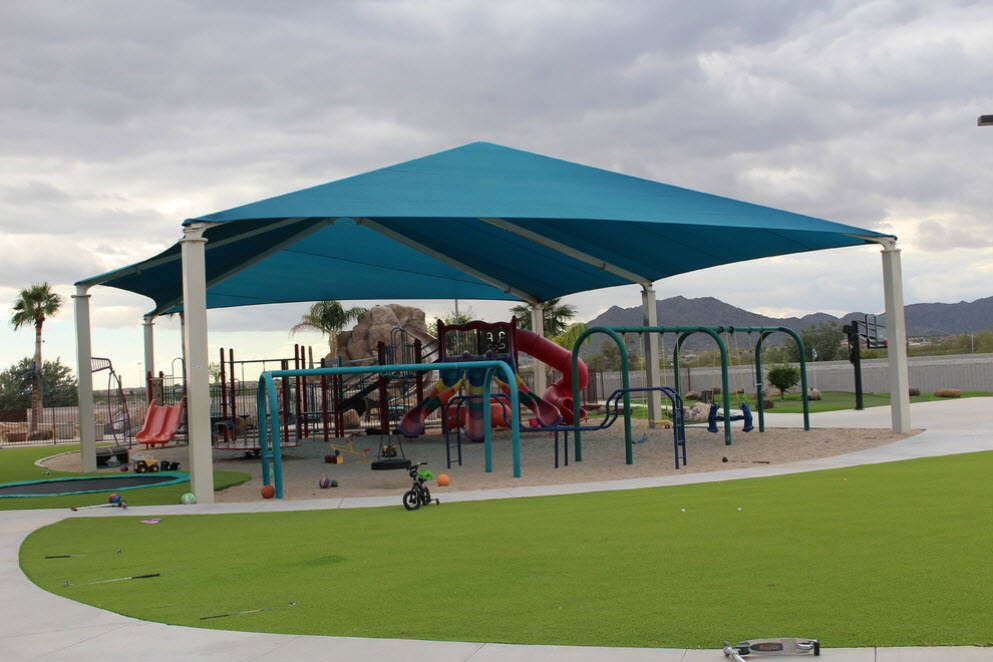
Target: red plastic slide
x=412, y=423
x=560, y=358
x=161, y=424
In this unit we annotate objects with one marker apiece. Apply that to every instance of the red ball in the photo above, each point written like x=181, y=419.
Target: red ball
x=268, y=491
x=114, y=498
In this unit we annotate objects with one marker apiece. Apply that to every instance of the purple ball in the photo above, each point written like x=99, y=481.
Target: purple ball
x=324, y=483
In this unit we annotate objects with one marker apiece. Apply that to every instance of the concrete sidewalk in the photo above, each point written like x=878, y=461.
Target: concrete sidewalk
x=36, y=625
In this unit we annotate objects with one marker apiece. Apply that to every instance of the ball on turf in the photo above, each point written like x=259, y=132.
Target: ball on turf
x=188, y=498
x=324, y=483
x=444, y=480
x=114, y=498
x=268, y=491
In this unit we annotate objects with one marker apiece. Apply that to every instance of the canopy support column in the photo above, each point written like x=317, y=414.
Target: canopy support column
x=193, y=247
x=653, y=376
x=896, y=336
x=538, y=326
x=84, y=352
x=149, y=328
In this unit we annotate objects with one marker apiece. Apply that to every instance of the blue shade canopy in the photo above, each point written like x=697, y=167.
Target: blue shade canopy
x=479, y=221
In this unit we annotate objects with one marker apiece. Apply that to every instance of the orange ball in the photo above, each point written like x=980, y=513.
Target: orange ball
x=443, y=480
x=268, y=491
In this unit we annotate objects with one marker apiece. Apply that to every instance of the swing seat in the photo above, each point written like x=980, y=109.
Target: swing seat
x=391, y=464
x=391, y=456
x=745, y=415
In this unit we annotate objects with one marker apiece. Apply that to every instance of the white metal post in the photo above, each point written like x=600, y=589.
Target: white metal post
x=84, y=351
x=193, y=247
x=538, y=326
x=896, y=338
x=149, y=327
x=653, y=376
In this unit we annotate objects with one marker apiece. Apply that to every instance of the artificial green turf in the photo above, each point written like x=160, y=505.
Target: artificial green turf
x=17, y=465
x=837, y=400
x=884, y=555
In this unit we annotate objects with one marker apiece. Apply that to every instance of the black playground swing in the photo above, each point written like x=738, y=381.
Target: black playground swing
x=746, y=412
x=391, y=454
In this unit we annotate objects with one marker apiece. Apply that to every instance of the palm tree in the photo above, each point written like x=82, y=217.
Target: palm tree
x=33, y=306
x=328, y=317
x=556, y=316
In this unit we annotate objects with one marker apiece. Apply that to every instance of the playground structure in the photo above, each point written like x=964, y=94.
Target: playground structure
x=269, y=410
x=315, y=407
x=488, y=341
x=161, y=423
x=383, y=402
x=119, y=419
x=166, y=389
x=683, y=332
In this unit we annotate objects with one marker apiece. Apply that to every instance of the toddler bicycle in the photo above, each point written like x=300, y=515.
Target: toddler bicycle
x=419, y=494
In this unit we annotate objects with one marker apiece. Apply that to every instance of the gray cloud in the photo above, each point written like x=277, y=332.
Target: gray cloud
x=125, y=118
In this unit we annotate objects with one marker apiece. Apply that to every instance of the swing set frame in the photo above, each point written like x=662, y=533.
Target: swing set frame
x=683, y=332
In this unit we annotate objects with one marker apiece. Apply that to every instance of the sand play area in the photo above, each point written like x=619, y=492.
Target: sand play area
x=603, y=459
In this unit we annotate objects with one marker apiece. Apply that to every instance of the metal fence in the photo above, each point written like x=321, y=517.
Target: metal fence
x=966, y=372
x=115, y=420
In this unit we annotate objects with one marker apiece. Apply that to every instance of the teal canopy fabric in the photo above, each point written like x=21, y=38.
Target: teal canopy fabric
x=479, y=221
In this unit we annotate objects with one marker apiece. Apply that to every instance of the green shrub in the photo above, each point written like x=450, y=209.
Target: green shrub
x=784, y=377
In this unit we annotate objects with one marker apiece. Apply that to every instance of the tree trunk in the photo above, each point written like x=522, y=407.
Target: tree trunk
x=36, y=410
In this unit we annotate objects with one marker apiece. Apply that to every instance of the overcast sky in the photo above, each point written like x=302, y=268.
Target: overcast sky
x=120, y=119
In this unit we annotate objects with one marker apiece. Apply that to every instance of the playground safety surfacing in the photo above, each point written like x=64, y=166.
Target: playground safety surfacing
x=89, y=484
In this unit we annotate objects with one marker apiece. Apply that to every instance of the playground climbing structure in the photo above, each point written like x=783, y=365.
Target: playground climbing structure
x=478, y=341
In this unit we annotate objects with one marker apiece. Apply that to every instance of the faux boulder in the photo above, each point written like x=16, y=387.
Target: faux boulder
x=814, y=394
x=948, y=393
x=377, y=325
x=698, y=412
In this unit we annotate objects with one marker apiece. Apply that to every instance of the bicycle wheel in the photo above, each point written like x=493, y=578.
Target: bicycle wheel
x=411, y=501
x=425, y=496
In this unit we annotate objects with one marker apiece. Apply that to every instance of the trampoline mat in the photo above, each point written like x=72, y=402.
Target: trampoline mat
x=88, y=484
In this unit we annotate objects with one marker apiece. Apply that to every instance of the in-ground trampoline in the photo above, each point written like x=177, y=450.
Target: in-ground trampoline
x=90, y=484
